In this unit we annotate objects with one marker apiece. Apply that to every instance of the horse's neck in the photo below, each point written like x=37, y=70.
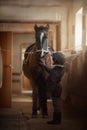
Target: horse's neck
x=33, y=61
x=34, y=49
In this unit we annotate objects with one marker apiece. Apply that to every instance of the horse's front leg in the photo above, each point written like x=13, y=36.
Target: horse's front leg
x=42, y=96
x=35, y=101
x=35, y=98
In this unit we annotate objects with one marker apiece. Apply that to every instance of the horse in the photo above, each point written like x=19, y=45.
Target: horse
x=34, y=71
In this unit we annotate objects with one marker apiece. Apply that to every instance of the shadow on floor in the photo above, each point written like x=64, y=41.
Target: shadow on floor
x=19, y=118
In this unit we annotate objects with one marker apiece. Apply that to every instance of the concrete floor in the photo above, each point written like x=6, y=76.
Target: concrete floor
x=19, y=118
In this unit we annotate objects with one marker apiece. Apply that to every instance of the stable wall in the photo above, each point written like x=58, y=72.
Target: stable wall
x=5, y=90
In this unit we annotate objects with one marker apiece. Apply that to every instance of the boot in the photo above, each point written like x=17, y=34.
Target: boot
x=56, y=119
x=34, y=115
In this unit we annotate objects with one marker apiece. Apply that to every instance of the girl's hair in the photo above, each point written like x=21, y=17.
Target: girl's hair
x=59, y=58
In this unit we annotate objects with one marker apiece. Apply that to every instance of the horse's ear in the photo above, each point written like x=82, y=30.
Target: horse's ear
x=47, y=26
x=35, y=27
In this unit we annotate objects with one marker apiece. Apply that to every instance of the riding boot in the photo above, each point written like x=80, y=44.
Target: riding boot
x=56, y=119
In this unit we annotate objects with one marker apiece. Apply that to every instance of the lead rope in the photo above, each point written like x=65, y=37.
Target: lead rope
x=32, y=51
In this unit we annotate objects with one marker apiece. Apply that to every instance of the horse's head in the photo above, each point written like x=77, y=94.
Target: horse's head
x=41, y=35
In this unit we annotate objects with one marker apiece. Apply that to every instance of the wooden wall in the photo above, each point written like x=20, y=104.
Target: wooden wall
x=5, y=91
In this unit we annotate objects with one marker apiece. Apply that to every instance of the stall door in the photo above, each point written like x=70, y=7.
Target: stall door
x=6, y=49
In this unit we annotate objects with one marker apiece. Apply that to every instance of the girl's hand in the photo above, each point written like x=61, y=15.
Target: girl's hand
x=42, y=62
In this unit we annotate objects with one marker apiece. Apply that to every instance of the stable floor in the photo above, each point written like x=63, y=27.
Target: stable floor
x=19, y=117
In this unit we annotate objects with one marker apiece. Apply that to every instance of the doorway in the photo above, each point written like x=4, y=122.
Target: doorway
x=21, y=88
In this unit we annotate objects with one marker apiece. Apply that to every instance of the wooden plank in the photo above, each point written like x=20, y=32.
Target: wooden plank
x=5, y=91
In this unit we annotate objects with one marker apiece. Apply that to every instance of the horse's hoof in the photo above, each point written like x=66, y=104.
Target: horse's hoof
x=34, y=116
x=45, y=116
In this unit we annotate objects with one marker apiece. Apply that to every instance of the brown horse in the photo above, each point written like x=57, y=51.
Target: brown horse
x=35, y=72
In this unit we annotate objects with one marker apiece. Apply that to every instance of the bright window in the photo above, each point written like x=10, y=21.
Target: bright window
x=86, y=28
x=78, y=30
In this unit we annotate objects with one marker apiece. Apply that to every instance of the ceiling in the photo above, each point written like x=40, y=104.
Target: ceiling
x=26, y=10
x=29, y=3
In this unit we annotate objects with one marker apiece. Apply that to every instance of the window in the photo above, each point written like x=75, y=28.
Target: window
x=78, y=30
x=86, y=28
